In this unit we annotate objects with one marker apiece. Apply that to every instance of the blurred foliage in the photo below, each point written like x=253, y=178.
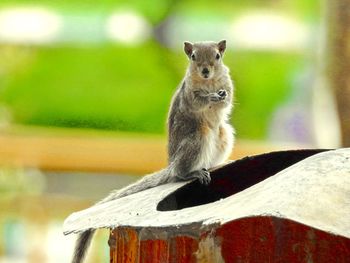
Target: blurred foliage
x=105, y=87
x=129, y=88
x=156, y=9
x=308, y=10
x=262, y=81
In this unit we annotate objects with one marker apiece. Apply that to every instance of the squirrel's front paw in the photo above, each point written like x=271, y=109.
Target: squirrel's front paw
x=222, y=93
x=215, y=97
x=219, y=96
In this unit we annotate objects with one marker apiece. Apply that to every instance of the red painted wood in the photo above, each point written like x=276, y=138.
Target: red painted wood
x=125, y=245
x=255, y=239
x=154, y=251
x=269, y=239
x=182, y=249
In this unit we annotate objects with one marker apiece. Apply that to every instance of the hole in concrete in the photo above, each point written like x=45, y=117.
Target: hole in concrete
x=233, y=178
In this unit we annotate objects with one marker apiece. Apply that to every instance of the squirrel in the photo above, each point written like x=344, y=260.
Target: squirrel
x=199, y=135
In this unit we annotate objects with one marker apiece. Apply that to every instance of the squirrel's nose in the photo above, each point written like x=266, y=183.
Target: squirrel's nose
x=205, y=71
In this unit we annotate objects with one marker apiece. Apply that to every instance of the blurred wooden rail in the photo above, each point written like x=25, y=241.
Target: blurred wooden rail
x=121, y=154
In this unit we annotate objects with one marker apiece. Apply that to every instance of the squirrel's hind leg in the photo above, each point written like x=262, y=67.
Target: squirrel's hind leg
x=202, y=175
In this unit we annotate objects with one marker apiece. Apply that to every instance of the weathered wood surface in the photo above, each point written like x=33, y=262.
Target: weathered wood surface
x=283, y=206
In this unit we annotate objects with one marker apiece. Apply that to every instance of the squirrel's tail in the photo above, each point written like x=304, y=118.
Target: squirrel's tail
x=81, y=246
x=146, y=182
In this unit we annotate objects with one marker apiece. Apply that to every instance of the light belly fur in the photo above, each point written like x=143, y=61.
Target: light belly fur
x=216, y=150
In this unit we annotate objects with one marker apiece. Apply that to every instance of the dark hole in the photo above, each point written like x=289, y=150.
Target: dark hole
x=233, y=178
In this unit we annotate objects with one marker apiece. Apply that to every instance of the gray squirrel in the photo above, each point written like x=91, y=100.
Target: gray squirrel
x=199, y=135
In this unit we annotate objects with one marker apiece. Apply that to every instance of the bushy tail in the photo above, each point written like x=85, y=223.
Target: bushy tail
x=146, y=182
x=81, y=245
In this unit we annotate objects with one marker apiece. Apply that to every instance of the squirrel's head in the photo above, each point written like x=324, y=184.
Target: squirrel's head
x=205, y=58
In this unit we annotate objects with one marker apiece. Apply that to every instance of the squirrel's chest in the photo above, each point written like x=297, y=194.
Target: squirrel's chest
x=213, y=85
x=212, y=117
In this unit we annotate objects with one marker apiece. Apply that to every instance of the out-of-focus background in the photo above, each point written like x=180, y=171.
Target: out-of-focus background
x=85, y=88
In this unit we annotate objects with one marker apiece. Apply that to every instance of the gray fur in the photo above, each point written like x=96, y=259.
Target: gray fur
x=199, y=136
x=82, y=244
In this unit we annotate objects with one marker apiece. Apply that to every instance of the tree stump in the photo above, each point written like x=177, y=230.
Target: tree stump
x=291, y=206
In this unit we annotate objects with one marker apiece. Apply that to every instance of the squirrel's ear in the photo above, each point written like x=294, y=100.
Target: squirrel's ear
x=222, y=46
x=188, y=48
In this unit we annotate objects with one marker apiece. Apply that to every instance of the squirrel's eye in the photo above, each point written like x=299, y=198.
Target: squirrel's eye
x=193, y=57
x=217, y=56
